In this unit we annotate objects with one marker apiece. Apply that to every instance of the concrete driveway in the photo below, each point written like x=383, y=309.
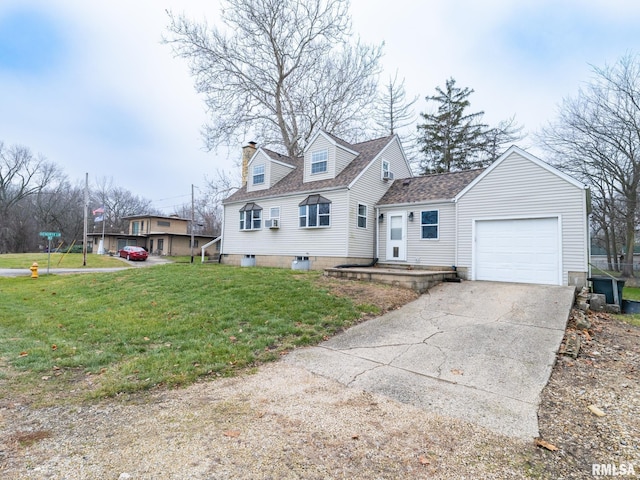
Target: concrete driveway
x=478, y=351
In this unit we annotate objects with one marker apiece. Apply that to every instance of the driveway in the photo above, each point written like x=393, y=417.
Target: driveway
x=477, y=351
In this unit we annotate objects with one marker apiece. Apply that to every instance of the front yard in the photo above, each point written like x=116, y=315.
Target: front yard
x=104, y=334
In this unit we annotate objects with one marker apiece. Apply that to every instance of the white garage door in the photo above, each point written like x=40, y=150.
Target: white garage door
x=524, y=251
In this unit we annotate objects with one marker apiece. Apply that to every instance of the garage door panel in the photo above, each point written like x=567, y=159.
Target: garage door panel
x=519, y=250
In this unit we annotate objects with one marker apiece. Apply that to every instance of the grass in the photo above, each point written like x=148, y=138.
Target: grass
x=103, y=334
x=631, y=293
x=58, y=260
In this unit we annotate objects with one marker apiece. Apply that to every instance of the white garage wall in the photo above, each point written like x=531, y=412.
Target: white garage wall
x=521, y=186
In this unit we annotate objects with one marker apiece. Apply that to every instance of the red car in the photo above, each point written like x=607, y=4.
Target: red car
x=133, y=253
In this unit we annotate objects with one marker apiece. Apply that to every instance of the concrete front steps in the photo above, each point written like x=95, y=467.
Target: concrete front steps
x=418, y=279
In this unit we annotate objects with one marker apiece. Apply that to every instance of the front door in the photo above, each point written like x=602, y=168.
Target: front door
x=396, y=236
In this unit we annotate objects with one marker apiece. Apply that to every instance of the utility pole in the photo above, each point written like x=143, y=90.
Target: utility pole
x=86, y=205
x=193, y=219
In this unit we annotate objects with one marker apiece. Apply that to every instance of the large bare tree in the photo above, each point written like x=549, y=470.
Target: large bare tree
x=279, y=70
x=22, y=174
x=118, y=203
x=597, y=138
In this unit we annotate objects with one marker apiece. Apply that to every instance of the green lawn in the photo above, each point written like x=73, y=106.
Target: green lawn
x=58, y=260
x=104, y=334
x=631, y=293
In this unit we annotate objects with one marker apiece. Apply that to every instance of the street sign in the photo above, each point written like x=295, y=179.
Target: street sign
x=49, y=235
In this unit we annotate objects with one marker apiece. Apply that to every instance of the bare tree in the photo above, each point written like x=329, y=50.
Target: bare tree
x=59, y=208
x=21, y=175
x=496, y=138
x=280, y=70
x=118, y=203
x=393, y=111
x=597, y=137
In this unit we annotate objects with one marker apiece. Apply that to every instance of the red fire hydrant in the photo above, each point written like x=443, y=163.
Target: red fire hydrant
x=34, y=270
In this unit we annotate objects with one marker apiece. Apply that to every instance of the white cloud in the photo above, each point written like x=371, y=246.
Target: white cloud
x=120, y=105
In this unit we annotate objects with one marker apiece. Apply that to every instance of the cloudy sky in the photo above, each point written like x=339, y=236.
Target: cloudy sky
x=89, y=85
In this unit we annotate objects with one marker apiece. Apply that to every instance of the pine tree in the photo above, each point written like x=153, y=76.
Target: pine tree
x=453, y=140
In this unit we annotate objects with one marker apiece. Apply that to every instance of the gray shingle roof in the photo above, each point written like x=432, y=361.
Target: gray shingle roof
x=442, y=186
x=292, y=183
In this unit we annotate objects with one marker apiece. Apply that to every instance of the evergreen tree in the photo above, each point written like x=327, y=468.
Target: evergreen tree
x=453, y=140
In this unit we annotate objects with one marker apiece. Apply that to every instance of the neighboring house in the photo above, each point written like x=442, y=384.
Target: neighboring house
x=159, y=235
x=518, y=220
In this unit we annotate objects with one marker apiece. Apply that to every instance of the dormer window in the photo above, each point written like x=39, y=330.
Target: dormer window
x=319, y=161
x=258, y=174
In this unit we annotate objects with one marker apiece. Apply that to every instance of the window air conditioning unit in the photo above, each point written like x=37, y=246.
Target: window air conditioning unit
x=273, y=223
x=387, y=175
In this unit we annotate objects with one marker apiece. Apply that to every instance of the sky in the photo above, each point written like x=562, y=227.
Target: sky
x=90, y=86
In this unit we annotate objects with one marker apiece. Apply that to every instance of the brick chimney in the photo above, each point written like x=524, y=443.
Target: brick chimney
x=247, y=152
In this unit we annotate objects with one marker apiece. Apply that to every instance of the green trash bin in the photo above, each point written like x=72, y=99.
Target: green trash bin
x=604, y=286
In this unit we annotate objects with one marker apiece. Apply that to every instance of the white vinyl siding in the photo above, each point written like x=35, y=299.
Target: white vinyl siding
x=321, y=143
x=337, y=158
x=431, y=252
x=367, y=190
x=256, y=161
x=343, y=158
x=272, y=172
x=518, y=188
x=290, y=239
x=277, y=171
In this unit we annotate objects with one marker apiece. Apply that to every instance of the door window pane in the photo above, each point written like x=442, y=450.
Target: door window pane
x=396, y=228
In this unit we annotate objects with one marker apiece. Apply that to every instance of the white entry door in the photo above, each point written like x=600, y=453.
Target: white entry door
x=396, y=236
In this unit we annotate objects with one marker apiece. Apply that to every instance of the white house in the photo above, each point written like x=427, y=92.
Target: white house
x=518, y=220
x=319, y=208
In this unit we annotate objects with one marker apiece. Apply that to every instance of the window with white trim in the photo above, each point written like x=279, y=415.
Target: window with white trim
x=362, y=215
x=258, y=174
x=274, y=212
x=314, y=212
x=429, y=224
x=319, y=161
x=385, y=169
x=251, y=217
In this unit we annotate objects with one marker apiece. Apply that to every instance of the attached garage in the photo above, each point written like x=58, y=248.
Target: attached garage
x=518, y=250
x=519, y=220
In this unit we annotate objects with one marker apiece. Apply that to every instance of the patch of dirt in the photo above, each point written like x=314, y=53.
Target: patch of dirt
x=383, y=297
x=605, y=375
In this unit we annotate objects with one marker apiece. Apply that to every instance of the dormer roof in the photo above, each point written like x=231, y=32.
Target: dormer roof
x=293, y=183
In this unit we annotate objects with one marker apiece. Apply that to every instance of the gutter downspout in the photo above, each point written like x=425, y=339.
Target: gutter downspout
x=455, y=206
x=376, y=246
